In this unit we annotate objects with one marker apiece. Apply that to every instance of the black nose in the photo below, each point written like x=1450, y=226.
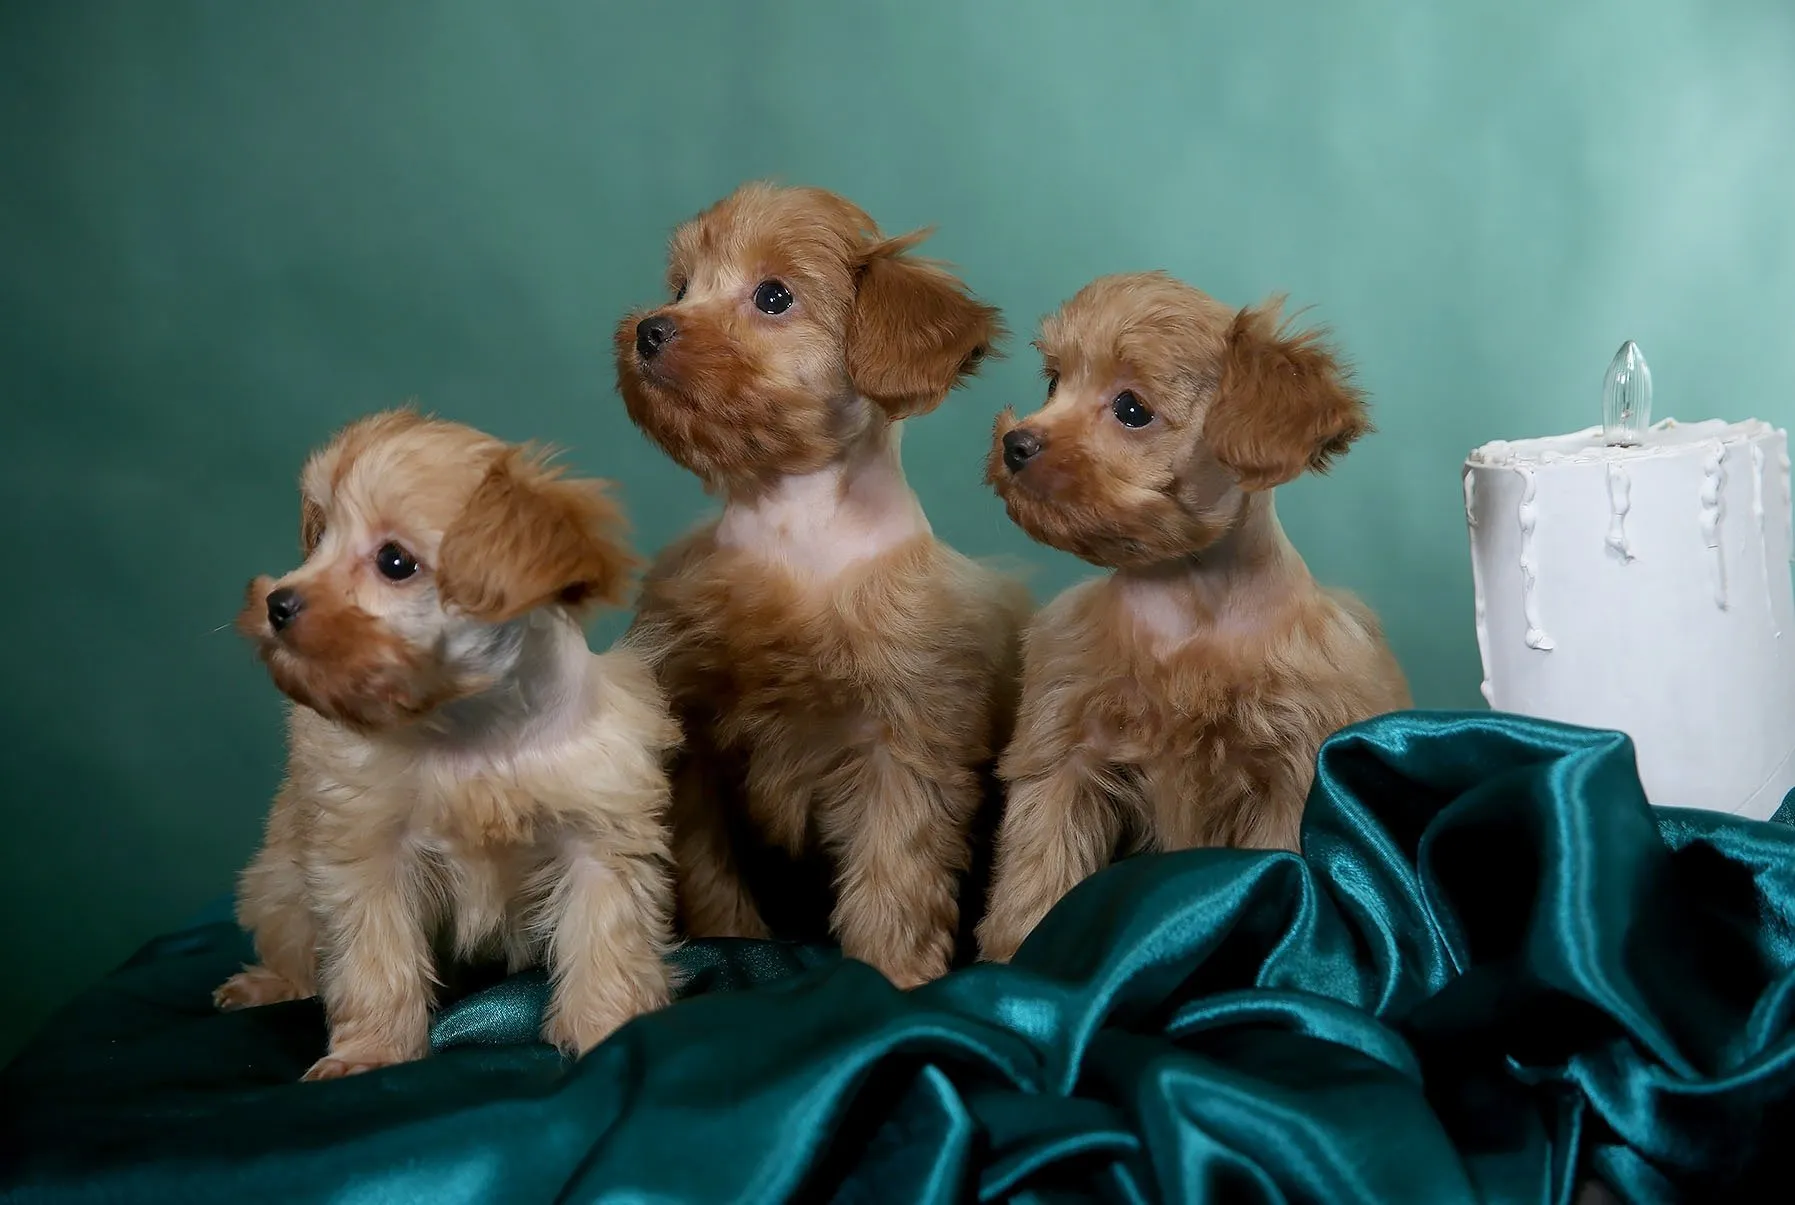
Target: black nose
x=284, y=605
x=1020, y=445
x=651, y=333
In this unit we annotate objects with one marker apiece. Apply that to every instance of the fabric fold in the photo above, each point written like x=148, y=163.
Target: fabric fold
x=1494, y=974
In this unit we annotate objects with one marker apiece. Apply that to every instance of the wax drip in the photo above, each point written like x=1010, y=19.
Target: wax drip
x=1757, y=511
x=1712, y=511
x=1782, y=463
x=1620, y=501
x=1483, y=629
x=1528, y=515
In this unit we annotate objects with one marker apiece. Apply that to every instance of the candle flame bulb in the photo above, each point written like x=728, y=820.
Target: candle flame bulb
x=1627, y=396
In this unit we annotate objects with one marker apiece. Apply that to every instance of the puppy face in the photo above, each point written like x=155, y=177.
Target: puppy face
x=1165, y=409
x=426, y=543
x=794, y=326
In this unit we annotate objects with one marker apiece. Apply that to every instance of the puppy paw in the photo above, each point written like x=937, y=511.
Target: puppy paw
x=575, y=1036
x=999, y=942
x=905, y=962
x=910, y=972
x=336, y=1066
x=577, y=1026
x=905, y=978
x=253, y=987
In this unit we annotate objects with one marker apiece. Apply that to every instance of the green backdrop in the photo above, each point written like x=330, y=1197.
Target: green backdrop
x=226, y=228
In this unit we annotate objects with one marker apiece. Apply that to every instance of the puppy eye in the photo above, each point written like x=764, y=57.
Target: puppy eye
x=772, y=297
x=679, y=294
x=395, y=564
x=1130, y=411
x=1053, y=383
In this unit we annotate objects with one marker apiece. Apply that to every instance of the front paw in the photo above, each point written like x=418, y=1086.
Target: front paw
x=906, y=977
x=339, y=1064
x=906, y=972
x=576, y=1025
x=999, y=937
x=253, y=987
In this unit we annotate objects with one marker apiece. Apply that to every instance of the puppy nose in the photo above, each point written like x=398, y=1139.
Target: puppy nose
x=1020, y=445
x=284, y=605
x=651, y=333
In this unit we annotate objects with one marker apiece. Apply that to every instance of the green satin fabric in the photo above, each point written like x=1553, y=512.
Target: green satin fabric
x=1495, y=974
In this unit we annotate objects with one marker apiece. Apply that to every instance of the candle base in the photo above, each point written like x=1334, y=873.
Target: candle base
x=1659, y=573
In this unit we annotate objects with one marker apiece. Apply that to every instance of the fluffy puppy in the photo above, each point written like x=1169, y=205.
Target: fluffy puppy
x=840, y=673
x=460, y=765
x=1181, y=700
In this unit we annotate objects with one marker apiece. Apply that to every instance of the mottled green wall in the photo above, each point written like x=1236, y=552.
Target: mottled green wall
x=227, y=227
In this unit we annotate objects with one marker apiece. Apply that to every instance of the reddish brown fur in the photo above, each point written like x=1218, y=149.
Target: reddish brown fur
x=1284, y=405
x=837, y=667
x=740, y=399
x=1181, y=701
x=344, y=664
x=528, y=537
x=860, y=716
x=913, y=332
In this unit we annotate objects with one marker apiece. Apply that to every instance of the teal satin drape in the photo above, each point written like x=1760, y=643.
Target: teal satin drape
x=1494, y=974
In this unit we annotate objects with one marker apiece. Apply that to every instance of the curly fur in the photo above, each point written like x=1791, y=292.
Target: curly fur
x=461, y=767
x=842, y=675
x=1181, y=700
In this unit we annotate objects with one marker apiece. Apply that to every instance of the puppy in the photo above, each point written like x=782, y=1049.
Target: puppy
x=460, y=765
x=1181, y=700
x=841, y=674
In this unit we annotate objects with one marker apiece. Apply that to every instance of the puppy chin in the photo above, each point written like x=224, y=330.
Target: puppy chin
x=342, y=663
x=1099, y=534
x=716, y=416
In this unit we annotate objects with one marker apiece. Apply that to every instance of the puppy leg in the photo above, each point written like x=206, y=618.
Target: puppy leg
x=377, y=976
x=1245, y=803
x=272, y=905
x=713, y=900
x=901, y=841
x=611, y=908
x=521, y=944
x=1057, y=830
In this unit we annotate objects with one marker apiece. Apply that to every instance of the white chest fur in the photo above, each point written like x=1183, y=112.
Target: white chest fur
x=1646, y=589
x=818, y=525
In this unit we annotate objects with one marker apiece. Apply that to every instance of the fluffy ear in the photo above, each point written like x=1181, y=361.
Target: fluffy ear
x=1284, y=403
x=915, y=331
x=528, y=538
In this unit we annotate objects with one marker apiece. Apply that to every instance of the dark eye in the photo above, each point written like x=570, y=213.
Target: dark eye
x=395, y=564
x=1053, y=383
x=679, y=294
x=1130, y=411
x=772, y=297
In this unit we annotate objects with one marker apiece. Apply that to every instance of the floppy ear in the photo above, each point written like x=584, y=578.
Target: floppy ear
x=1284, y=404
x=915, y=331
x=528, y=538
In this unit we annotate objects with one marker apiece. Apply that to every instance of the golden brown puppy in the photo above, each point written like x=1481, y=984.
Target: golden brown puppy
x=460, y=764
x=1181, y=700
x=841, y=674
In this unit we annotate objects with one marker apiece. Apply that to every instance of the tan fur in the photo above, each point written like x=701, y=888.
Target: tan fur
x=841, y=674
x=523, y=541
x=460, y=764
x=1181, y=700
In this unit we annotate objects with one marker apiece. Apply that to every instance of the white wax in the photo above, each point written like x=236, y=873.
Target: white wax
x=1646, y=588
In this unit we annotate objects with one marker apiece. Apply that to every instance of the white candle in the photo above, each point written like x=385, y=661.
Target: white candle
x=1635, y=576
